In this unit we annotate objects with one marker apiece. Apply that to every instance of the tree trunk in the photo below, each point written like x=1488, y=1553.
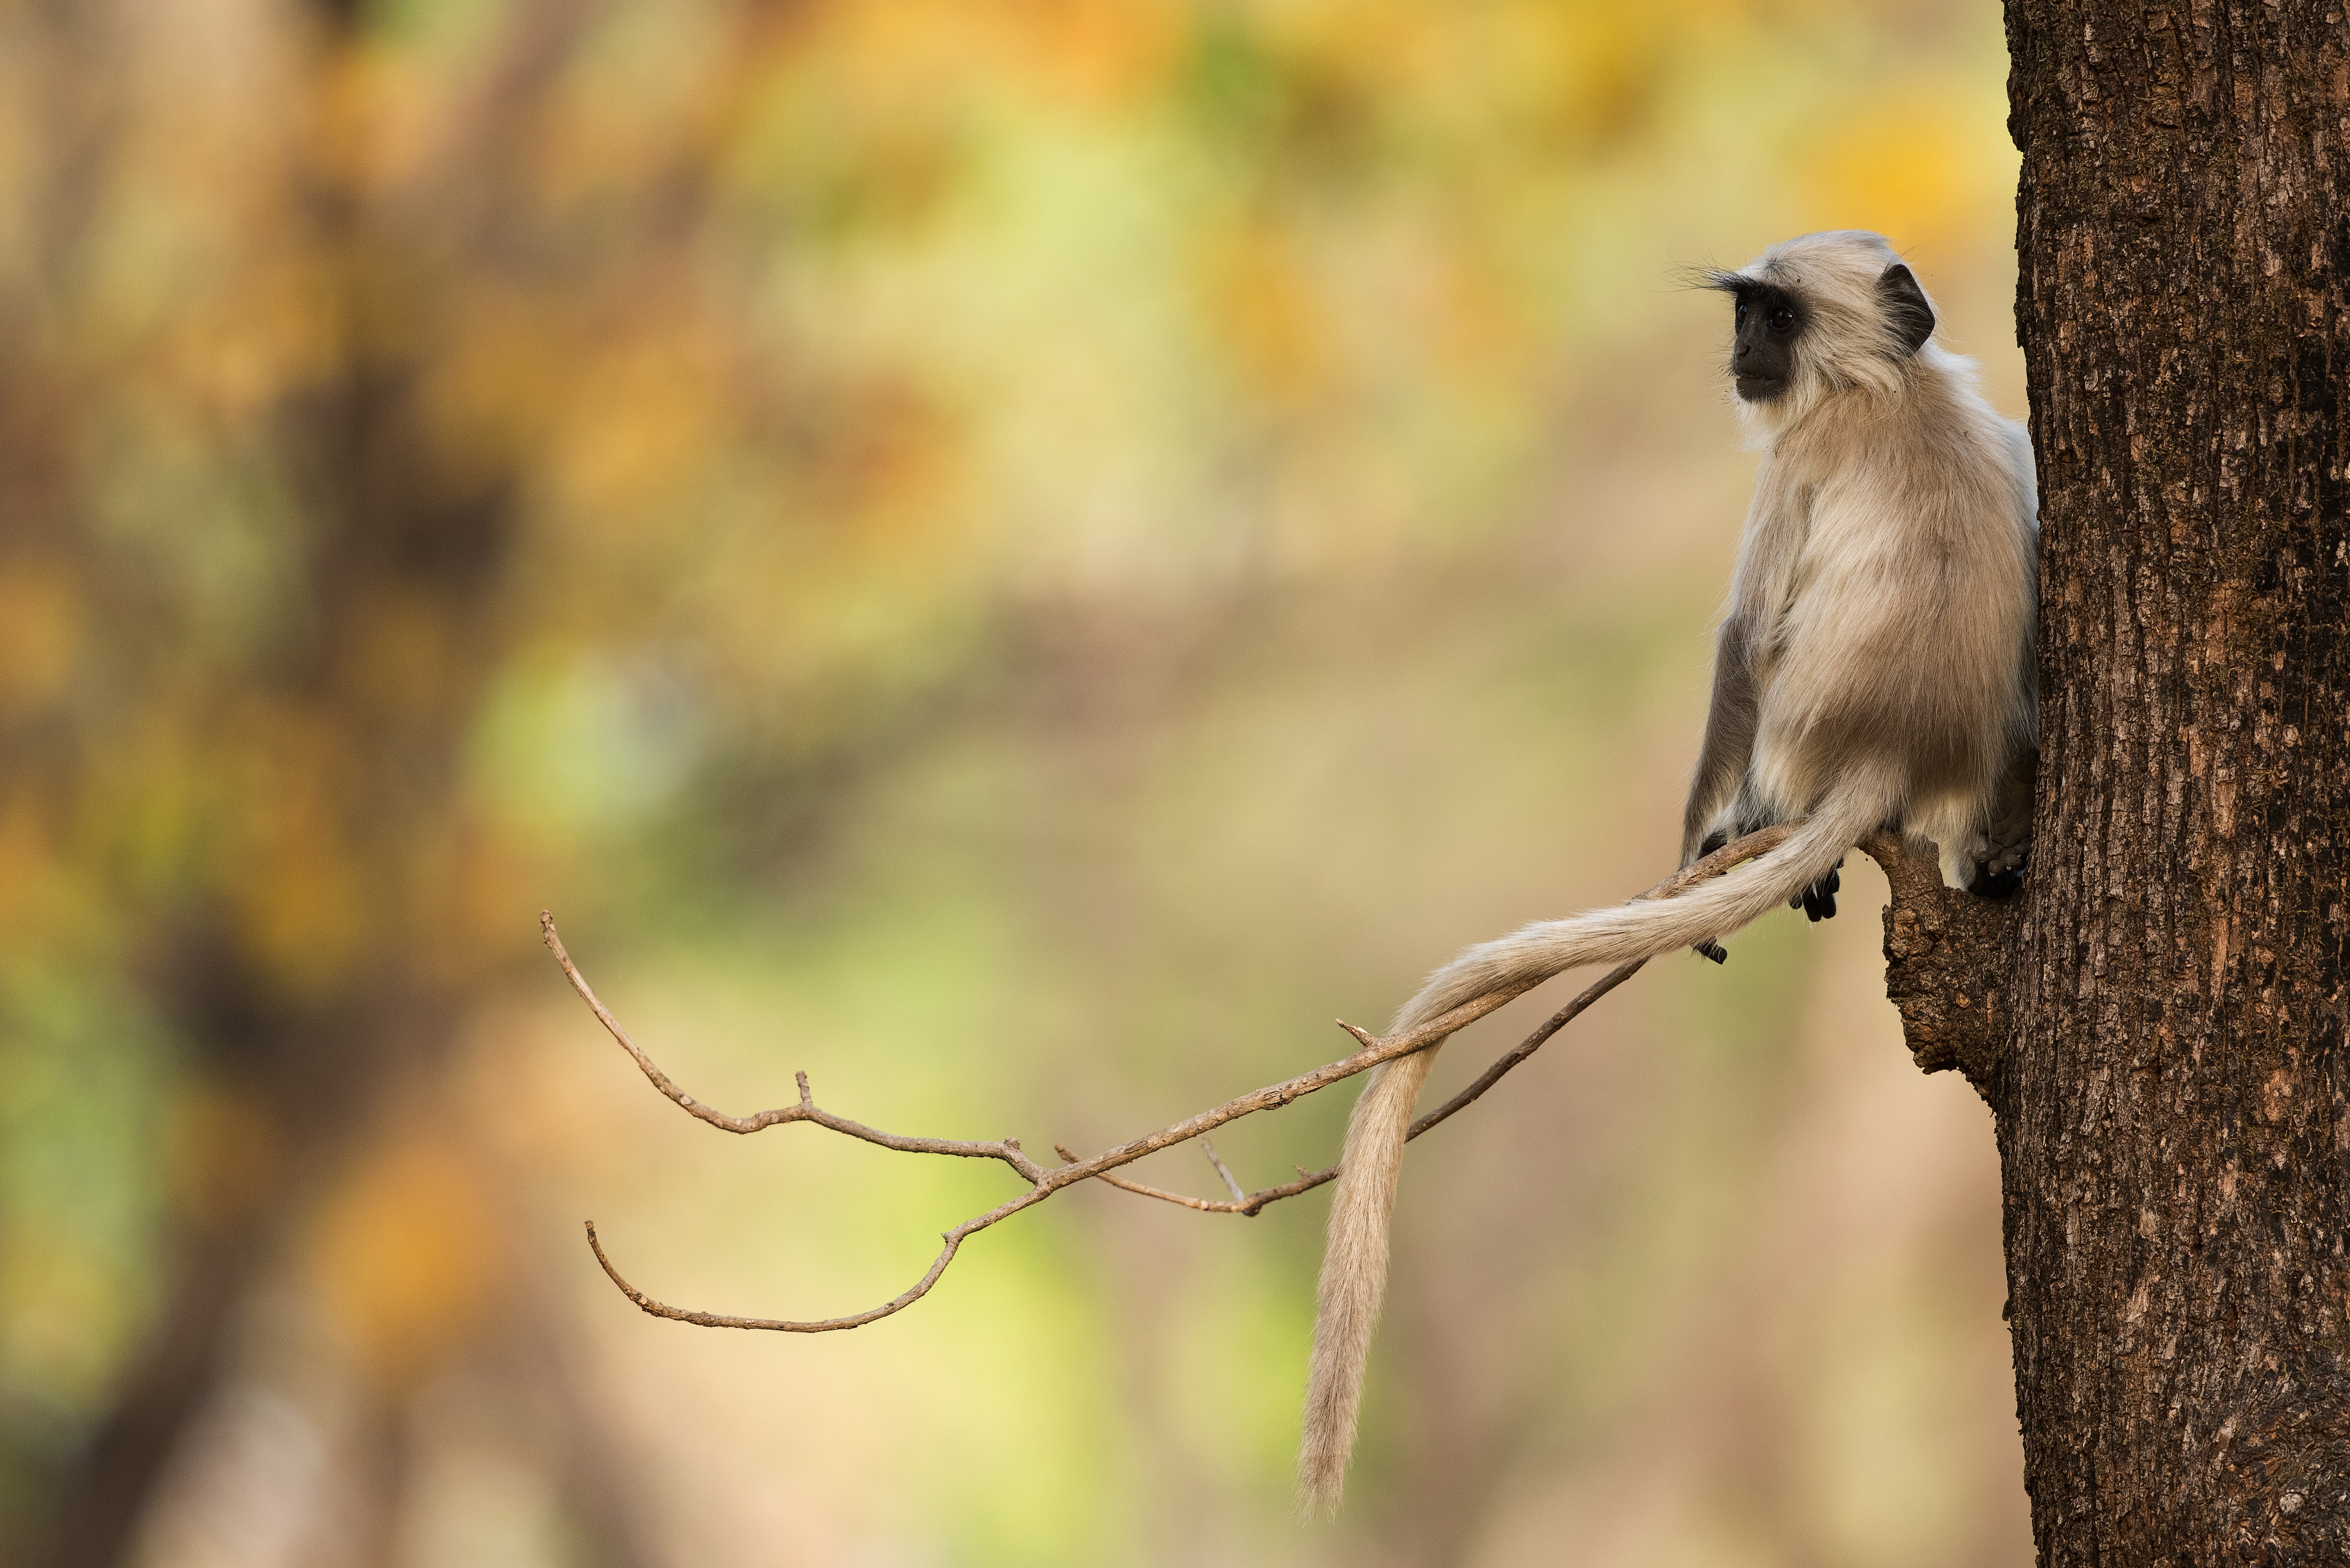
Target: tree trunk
x=2168, y=1074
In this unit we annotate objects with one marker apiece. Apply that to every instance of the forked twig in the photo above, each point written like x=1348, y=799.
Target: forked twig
x=1231, y=1182
x=1043, y=1182
x=1252, y=1204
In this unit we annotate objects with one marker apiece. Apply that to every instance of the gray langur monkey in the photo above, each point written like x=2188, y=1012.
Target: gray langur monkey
x=1875, y=668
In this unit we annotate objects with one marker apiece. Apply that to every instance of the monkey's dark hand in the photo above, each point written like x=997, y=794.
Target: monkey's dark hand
x=1818, y=901
x=2001, y=876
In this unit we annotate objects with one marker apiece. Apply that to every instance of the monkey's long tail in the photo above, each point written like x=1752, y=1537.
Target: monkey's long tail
x=1354, y=1259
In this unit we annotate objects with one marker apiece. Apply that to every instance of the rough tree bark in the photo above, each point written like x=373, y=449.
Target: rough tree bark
x=2159, y=1026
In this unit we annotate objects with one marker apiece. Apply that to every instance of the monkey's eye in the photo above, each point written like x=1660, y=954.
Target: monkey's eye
x=1782, y=319
x=1738, y=317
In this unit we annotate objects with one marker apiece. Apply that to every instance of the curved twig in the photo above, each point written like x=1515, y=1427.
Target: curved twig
x=822, y=1325
x=1044, y=1183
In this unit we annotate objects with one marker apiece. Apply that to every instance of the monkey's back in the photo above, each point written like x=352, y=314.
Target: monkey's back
x=1889, y=639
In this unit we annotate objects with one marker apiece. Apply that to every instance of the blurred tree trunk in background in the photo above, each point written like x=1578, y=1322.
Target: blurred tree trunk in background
x=2173, y=1100
x=329, y=955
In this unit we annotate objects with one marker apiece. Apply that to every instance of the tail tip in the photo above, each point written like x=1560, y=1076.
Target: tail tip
x=1323, y=1452
x=1321, y=1485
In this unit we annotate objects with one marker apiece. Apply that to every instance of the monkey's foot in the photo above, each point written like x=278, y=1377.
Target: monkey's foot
x=1818, y=901
x=1997, y=886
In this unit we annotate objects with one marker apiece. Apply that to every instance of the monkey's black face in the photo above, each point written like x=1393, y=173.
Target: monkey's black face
x=1769, y=321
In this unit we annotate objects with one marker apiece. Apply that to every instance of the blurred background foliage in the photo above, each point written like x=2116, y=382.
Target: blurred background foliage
x=1016, y=555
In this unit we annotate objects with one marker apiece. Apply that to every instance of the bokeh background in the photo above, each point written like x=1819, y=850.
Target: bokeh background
x=1017, y=555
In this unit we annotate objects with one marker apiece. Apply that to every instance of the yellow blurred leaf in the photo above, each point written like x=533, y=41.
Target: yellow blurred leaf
x=405, y=1255
x=40, y=628
x=1911, y=163
x=1261, y=304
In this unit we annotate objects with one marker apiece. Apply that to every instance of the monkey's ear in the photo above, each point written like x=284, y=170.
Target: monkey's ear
x=1906, y=310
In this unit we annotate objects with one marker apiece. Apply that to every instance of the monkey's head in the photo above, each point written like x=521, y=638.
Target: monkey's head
x=1822, y=314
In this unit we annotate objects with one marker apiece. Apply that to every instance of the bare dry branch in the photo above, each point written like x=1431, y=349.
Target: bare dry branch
x=1044, y=1183
x=1007, y=1151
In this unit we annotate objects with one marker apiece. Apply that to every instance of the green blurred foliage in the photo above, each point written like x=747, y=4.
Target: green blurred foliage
x=1016, y=555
